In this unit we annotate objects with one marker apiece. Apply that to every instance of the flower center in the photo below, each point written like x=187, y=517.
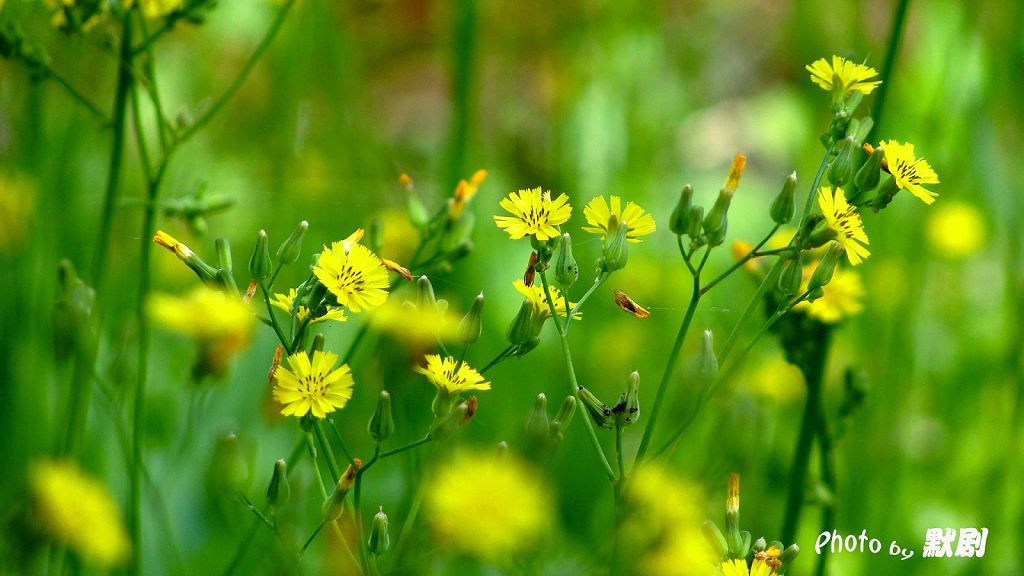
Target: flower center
x=314, y=385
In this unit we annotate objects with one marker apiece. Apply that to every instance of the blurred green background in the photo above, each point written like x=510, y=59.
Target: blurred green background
x=583, y=98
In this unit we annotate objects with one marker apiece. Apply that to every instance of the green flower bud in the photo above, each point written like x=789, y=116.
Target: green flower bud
x=627, y=410
x=868, y=176
x=679, y=222
x=380, y=538
x=599, y=411
x=707, y=362
x=564, y=415
x=715, y=538
x=537, y=426
x=382, y=423
x=289, y=250
x=744, y=547
x=789, y=554
x=822, y=274
x=259, y=264
x=471, y=325
x=417, y=211
x=521, y=330
x=317, y=344
x=822, y=234
x=446, y=426
x=335, y=503
x=229, y=469
x=278, y=490
x=502, y=449
x=206, y=273
x=791, y=276
x=457, y=231
x=784, y=204
x=463, y=249
x=696, y=221
x=732, y=517
x=223, y=249
x=522, y=349
x=844, y=165
x=760, y=545
x=616, y=252
x=860, y=128
x=426, y=299
x=566, y=270
x=716, y=223
x=72, y=311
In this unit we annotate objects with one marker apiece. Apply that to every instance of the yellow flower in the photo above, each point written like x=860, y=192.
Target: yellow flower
x=844, y=219
x=17, y=206
x=535, y=294
x=415, y=325
x=662, y=525
x=451, y=376
x=910, y=172
x=843, y=76
x=77, y=511
x=313, y=386
x=154, y=8
x=956, y=230
x=354, y=274
x=599, y=215
x=533, y=212
x=221, y=324
x=739, y=568
x=488, y=506
x=285, y=302
x=464, y=192
x=842, y=297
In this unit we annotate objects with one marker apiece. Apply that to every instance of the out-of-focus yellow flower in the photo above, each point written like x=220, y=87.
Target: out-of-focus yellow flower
x=843, y=76
x=760, y=567
x=313, y=386
x=17, y=205
x=72, y=15
x=354, y=274
x=220, y=323
x=910, y=172
x=77, y=511
x=488, y=506
x=415, y=325
x=452, y=376
x=662, y=525
x=844, y=219
x=599, y=215
x=285, y=302
x=152, y=9
x=956, y=230
x=842, y=299
x=533, y=213
x=774, y=378
x=464, y=192
x=535, y=294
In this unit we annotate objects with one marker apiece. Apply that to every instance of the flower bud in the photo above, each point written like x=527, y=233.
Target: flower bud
x=616, y=253
x=426, y=299
x=444, y=427
x=206, y=273
x=537, y=426
x=696, y=221
x=317, y=344
x=791, y=276
x=229, y=470
x=259, y=263
x=417, y=211
x=716, y=223
x=564, y=415
x=868, y=176
x=843, y=166
x=789, y=554
x=566, y=270
x=521, y=330
x=289, y=250
x=784, y=204
x=335, y=503
x=278, y=491
x=759, y=545
x=826, y=267
x=471, y=325
x=707, y=362
x=223, y=249
x=382, y=423
x=732, y=515
x=72, y=311
x=627, y=410
x=715, y=538
x=679, y=222
x=599, y=411
x=457, y=231
x=380, y=538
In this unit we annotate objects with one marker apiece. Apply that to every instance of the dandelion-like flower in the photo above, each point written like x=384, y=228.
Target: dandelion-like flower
x=842, y=297
x=535, y=294
x=221, y=324
x=844, y=219
x=77, y=511
x=451, y=376
x=599, y=215
x=736, y=567
x=286, y=301
x=533, y=213
x=487, y=506
x=956, y=230
x=909, y=172
x=354, y=274
x=843, y=76
x=313, y=386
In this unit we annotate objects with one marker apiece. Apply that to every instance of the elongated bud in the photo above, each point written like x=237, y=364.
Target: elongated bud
x=715, y=538
x=616, y=252
x=716, y=223
x=707, y=362
x=732, y=516
x=627, y=410
x=521, y=330
x=382, y=423
x=566, y=270
x=791, y=276
x=696, y=222
x=599, y=411
x=72, y=311
x=732, y=182
x=290, y=249
x=426, y=299
x=335, y=503
x=259, y=263
x=843, y=166
x=826, y=267
x=471, y=325
x=444, y=427
x=679, y=221
x=868, y=175
x=784, y=204
x=223, y=249
x=417, y=211
x=380, y=537
x=278, y=491
x=789, y=554
x=229, y=469
x=317, y=345
x=564, y=415
x=206, y=273
x=538, y=426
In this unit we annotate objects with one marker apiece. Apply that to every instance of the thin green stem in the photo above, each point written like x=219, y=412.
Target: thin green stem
x=399, y=450
x=325, y=447
x=753, y=253
x=498, y=359
x=618, y=452
x=899, y=21
x=273, y=319
x=75, y=94
x=828, y=479
x=149, y=68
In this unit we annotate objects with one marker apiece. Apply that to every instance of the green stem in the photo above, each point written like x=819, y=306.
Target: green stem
x=463, y=49
x=498, y=359
x=707, y=287
x=899, y=21
x=618, y=453
x=325, y=447
x=828, y=479
x=150, y=71
x=75, y=94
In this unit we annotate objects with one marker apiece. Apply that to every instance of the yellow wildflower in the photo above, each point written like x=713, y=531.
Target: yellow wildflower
x=285, y=302
x=599, y=214
x=956, y=230
x=844, y=219
x=739, y=568
x=464, y=192
x=535, y=294
x=842, y=297
x=315, y=386
x=488, y=506
x=354, y=274
x=843, y=76
x=533, y=212
x=909, y=172
x=415, y=325
x=152, y=9
x=221, y=324
x=77, y=511
x=451, y=376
